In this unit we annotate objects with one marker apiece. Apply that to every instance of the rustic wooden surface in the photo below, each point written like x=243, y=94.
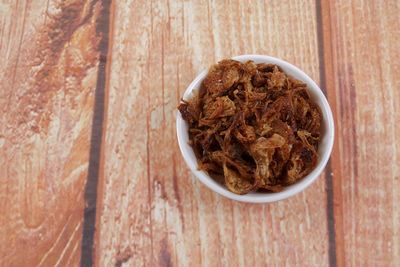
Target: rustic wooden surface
x=364, y=89
x=90, y=170
x=48, y=80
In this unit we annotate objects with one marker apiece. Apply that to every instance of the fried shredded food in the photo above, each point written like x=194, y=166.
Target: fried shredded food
x=254, y=125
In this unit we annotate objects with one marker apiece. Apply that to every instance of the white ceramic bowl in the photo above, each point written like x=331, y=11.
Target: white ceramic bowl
x=324, y=149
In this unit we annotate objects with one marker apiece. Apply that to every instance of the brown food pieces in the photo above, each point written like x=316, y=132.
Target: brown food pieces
x=254, y=125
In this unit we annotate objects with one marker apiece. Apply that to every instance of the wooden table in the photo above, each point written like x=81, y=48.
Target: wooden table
x=89, y=161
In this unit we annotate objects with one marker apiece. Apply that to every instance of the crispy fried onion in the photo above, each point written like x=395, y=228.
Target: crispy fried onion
x=254, y=125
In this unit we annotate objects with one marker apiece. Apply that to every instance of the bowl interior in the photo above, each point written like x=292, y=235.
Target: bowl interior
x=324, y=149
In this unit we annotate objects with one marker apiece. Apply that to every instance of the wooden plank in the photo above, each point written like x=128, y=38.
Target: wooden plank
x=363, y=63
x=48, y=77
x=151, y=209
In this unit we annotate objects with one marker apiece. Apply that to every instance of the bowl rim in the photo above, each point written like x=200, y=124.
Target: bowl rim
x=260, y=197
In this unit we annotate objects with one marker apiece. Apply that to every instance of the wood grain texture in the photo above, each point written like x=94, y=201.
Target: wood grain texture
x=363, y=63
x=48, y=76
x=151, y=209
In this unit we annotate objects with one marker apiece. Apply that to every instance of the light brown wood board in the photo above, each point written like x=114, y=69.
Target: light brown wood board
x=362, y=45
x=49, y=68
x=88, y=104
